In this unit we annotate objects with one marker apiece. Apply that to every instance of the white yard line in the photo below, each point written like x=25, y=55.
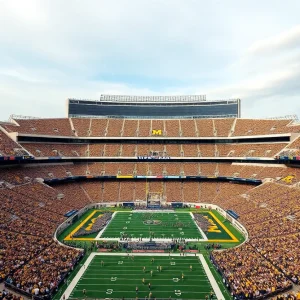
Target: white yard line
x=211, y=278
x=146, y=239
x=101, y=231
x=199, y=228
x=75, y=280
x=153, y=211
x=99, y=235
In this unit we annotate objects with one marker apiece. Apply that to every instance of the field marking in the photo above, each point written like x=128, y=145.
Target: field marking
x=102, y=230
x=171, y=263
x=146, y=273
x=152, y=279
x=79, y=275
x=161, y=259
x=124, y=284
x=204, y=239
x=199, y=228
x=136, y=239
x=211, y=278
x=68, y=237
x=233, y=238
x=182, y=292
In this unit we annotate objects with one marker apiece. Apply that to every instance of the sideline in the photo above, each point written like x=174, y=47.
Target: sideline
x=199, y=228
x=211, y=278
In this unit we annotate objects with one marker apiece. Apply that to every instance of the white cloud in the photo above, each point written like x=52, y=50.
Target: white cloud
x=288, y=39
x=23, y=75
x=54, y=49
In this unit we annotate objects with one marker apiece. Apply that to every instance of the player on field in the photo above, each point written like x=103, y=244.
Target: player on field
x=160, y=268
x=149, y=286
x=143, y=281
x=191, y=268
x=84, y=292
x=182, y=276
x=102, y=263
x=144, y=269
x=136, y=290
x=151, y=272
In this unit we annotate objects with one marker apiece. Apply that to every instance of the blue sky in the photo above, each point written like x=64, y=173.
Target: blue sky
x=52, y=50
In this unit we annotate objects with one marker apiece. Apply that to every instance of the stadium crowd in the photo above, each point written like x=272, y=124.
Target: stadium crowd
x=30, y=260
x=269, y=213
x=42, y=274
x=283, y=174
x=249, y=275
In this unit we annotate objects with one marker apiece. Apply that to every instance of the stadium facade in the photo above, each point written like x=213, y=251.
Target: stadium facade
x=154, y=107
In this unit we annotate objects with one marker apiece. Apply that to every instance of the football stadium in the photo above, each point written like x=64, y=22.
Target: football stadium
x=150, y=197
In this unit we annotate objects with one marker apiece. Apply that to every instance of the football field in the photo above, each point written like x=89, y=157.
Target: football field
x=155, y=225
x=123, y=276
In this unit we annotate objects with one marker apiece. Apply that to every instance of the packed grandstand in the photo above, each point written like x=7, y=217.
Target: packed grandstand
x=50, y=167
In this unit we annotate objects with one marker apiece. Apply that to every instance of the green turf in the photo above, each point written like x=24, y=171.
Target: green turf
x=201, y=245
x=134, y=225
x=120, y=276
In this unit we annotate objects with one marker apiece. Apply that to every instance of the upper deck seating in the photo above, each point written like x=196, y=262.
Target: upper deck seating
x=10, y=148
x=118, y=127
x=262, y=127
x=205, y=127
x=223, y=126
x=56, y=127
x=82, y=126
x=115, y=127
x=98, y=127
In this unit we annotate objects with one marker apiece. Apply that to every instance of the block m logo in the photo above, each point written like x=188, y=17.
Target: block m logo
x=156, y=132
x=288, y=179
